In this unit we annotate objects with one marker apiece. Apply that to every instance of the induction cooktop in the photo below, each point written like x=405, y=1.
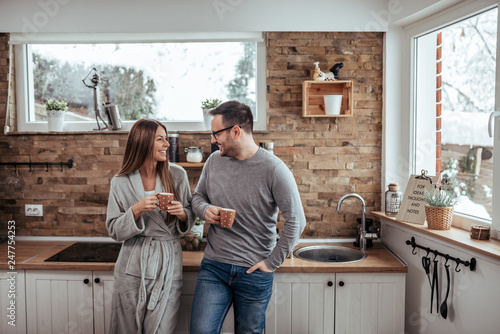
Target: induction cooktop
x=88, y=252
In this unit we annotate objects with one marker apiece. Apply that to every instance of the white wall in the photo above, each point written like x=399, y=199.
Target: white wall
x=205, y=15
x=474, y=298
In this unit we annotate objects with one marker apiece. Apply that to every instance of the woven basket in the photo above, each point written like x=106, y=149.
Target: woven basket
x=439, y=218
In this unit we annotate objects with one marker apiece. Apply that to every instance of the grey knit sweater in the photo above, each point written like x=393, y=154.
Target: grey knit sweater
x=256, y=188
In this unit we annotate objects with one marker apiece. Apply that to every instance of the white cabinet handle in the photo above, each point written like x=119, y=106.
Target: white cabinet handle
x=492, y=116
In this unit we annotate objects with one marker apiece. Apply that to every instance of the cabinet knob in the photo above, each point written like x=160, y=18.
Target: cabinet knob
x=341, y=283
x=97, y=280
x=86, y=281
x=330, y=283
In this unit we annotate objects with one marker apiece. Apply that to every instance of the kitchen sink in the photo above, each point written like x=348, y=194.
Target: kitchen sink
x=88, y=252
x=329, y=253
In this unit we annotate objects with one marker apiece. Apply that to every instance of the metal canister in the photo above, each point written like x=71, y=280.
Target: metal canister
x=113, y=114
x=173, y=150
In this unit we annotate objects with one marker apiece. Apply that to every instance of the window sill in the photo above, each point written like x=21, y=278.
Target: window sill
x=104, y=132
x=454, y=235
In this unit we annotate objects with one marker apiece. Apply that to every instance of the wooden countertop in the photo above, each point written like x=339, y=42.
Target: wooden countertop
x=31, y=255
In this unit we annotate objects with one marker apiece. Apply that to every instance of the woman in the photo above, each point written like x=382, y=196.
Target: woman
x=148, y=271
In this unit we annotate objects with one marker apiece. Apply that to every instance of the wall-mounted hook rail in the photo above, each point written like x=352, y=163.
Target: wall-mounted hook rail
x=471, y=264
x=68, y=163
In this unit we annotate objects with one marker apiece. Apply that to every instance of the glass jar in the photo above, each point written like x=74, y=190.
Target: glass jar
x=194, y=154
x=393, y=199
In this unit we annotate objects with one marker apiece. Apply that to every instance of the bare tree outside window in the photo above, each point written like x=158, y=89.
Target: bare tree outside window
x=165, y=81
x=468, y=76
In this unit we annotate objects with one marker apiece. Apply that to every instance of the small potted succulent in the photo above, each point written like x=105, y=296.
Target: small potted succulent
x=439, y=208
x=55, y=114
x=206, y=106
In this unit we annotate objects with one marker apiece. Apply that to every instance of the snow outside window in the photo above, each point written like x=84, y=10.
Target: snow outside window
x=454, y=84
x=166, y=81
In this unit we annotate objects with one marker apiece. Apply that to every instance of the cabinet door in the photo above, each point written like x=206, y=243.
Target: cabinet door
x=369, y=303
x=12, y=302
x=103, y=294
x=59, y=301
x=301, y=303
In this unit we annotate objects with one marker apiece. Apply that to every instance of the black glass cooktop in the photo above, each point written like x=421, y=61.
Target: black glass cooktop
x=88, y=252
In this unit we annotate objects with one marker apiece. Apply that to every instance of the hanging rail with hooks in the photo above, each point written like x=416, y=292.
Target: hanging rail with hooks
x=471, y=264
x=68, y=163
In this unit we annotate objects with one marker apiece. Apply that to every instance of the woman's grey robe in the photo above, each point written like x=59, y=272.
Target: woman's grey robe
x=148, y=271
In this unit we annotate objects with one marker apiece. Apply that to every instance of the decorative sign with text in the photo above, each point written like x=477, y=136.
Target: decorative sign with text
x=412, y=209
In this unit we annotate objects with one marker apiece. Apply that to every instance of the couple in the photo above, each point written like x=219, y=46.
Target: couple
x=239, y=262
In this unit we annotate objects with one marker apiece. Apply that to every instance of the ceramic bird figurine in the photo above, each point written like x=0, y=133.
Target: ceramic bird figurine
x=335, y=69
x=330, y=76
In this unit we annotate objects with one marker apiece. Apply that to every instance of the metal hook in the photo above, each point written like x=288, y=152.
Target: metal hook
x=428, y=251
x=435, y=255
x=458, y=263
x=413, y=250
x=447, y=257
x=61, y=166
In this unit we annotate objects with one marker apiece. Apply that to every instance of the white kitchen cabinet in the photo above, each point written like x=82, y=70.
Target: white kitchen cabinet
x=68, y=301
x=103, y=295
x=369, y=303
x=12, y=302
x=301, y=303
x=336, y=303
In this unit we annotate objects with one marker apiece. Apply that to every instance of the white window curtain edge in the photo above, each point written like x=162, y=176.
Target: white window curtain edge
x=77, y=38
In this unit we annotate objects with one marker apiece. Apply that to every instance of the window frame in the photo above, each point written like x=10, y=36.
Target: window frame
x=411, y=33
x=24, y=81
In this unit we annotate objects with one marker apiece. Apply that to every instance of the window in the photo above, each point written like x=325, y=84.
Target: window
x=164, y=80
x=454, y=82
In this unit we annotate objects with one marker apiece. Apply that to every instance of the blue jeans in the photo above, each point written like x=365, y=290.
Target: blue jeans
x=219, y=285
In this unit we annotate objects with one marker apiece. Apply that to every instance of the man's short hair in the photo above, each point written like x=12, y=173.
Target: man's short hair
x=235, y=113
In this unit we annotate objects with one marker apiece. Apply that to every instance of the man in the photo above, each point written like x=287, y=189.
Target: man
x=239, y=262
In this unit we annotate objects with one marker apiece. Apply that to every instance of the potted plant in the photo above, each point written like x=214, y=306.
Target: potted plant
x=439, y=208
x=206, y=106
x=55, y=114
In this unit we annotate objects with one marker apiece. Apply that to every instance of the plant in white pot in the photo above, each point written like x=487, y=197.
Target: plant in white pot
x=439, y=208
x=206, y=106
x=55, y=114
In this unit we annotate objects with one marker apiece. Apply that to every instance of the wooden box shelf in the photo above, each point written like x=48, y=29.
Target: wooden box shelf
x=313, y=104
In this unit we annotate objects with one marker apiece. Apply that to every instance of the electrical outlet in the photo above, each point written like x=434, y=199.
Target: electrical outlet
x=33, y=210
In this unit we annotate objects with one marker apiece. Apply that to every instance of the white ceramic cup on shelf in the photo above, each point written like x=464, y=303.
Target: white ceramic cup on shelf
x=333, y=104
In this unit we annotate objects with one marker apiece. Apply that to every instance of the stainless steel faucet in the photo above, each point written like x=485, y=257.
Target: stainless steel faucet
x=362, y=238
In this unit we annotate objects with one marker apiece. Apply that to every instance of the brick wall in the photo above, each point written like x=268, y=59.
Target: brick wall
x=329, y=157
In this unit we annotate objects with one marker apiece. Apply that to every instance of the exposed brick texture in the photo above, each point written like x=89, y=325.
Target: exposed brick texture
x=329, y=157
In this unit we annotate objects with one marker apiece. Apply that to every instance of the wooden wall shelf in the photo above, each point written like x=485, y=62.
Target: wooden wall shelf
x=191, y=164
x=313, y=104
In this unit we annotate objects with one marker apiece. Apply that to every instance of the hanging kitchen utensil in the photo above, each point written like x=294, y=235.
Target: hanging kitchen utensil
x=444, y=305
x=435, y=285
x=426, y=264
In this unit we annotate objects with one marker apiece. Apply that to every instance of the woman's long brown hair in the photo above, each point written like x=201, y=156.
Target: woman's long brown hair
x=139, y=149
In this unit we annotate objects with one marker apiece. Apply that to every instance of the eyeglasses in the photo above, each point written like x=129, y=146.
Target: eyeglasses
x=216, y=132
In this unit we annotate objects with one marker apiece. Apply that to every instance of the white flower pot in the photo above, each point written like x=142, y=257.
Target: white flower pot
x=55, y=119
x=207, y=119
x=332, y=104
